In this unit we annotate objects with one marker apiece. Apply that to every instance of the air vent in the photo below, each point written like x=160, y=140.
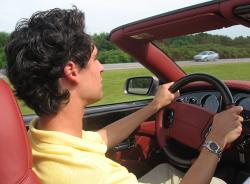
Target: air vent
x=243, y=12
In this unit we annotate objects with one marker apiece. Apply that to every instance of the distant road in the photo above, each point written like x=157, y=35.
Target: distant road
x=220, y=61
x=119, y=66
x=180, y=63
x=2, y=73
x=138, y=65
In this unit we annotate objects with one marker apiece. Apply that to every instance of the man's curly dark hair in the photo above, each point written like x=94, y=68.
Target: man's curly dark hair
x=38, y=51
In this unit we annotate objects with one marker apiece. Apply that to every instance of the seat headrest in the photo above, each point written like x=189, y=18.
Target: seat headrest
x=15, y=159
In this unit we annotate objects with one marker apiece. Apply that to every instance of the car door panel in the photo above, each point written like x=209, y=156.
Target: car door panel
x=136, y=146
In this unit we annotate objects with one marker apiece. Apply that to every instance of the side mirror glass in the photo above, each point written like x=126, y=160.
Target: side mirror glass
x=145, y=85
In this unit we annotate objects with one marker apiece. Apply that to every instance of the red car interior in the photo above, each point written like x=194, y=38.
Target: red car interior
x=16, y=158
x=141, y=150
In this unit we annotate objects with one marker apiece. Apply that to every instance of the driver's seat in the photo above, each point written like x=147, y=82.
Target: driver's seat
x=15, y=152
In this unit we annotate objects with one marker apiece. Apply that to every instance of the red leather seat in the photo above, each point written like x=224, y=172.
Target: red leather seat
x=15, y=152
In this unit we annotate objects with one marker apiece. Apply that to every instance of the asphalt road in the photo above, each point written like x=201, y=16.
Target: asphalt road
x=220, y=61
x=2, y=73
x=180, y=63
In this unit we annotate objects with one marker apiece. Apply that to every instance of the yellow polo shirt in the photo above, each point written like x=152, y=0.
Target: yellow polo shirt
x=59, y=158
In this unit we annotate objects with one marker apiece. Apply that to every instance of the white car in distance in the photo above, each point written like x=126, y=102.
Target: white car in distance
x=206, y=56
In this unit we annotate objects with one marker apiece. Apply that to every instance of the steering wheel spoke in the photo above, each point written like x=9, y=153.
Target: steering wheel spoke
x=190, y=124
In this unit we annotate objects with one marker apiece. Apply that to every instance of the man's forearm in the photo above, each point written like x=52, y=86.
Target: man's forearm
x=203, y=168
x=121, y=129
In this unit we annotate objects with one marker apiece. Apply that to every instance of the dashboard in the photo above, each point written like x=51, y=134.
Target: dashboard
x=212, y=101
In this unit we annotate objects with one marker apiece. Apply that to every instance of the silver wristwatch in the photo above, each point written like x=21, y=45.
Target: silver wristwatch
x=213, y=147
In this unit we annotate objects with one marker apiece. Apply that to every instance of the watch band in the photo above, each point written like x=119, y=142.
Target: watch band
x=213, y=147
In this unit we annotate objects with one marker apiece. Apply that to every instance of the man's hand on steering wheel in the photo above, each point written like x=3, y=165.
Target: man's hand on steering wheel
x=227, y=126
x=163, y=96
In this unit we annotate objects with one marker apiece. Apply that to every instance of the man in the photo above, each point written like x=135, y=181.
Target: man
x=53, y=66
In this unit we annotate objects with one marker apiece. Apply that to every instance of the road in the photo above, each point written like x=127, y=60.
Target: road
x=2, y=73
x=180, y=63
x=220, y=61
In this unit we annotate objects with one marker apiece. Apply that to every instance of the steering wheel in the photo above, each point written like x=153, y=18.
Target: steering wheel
x=187, y=123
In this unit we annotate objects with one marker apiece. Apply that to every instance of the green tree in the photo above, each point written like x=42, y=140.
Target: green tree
x=114, y=56
x=3, y=40
x=185, y=47
x=102, y=42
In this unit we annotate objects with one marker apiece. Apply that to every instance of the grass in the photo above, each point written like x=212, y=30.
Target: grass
x=113, y=81
x=24, y=108
x=232, y=71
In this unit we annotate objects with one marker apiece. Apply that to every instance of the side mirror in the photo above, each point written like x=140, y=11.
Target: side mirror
x=145, y=85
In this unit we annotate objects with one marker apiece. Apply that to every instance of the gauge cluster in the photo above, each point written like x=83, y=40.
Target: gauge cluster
x=243, y=100
x=212, y=100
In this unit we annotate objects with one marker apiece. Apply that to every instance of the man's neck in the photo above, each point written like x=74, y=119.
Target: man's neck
x=68, y=120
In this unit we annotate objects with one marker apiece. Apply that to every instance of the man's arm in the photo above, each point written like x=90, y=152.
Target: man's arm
x=121, y=129
x=226, y=128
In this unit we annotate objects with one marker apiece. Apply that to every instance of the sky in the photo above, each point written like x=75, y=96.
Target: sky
x=101, y=15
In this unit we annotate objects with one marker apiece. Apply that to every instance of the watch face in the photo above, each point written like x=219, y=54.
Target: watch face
x=213, y=146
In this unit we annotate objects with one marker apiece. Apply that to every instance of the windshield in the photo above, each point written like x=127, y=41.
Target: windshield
x=196, y=53
x=203, y=53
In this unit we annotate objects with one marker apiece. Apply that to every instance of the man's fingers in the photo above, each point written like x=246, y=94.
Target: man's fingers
x=168, y=85
x=236, y=109
x=240, y=118
x=239, y=128
x=177, y=93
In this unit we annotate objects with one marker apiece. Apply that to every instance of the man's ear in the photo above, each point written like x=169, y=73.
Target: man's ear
x=71, y=71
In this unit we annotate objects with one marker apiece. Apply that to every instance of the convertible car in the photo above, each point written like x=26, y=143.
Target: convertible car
x=174, y=134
